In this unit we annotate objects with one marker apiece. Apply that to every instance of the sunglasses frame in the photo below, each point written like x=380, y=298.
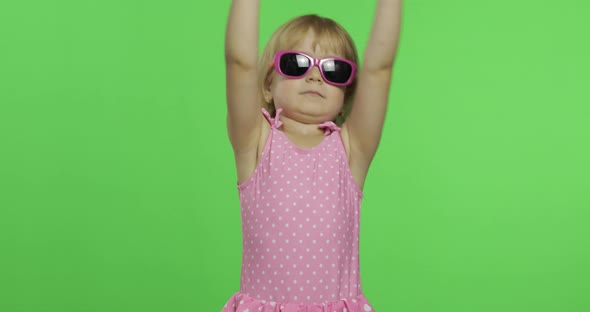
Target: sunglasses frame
x=315, y=62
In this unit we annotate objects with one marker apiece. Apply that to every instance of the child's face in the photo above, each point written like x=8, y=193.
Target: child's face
x=308, y=99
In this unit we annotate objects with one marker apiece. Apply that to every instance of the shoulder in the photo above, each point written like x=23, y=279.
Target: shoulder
x=247, y=161
x=344, y=135
x=358, y=167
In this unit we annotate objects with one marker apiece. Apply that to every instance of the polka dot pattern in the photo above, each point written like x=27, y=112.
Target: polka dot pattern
x=300, y=214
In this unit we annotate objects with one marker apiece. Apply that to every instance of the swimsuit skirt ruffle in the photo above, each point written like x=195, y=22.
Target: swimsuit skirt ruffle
x=241, y=302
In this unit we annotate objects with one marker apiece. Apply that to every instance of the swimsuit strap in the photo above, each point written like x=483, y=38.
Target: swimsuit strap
x=274, y=122
x=328, y=126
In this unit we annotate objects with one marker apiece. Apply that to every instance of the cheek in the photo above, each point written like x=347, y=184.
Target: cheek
x=284, y=89
x=337, y=94
x=337, y=100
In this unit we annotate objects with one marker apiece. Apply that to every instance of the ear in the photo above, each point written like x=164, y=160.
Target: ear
x=267, y=94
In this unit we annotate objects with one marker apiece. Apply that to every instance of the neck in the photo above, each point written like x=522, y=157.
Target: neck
x=300, y=128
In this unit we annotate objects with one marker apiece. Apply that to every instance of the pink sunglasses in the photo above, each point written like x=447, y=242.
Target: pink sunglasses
x=334, y=70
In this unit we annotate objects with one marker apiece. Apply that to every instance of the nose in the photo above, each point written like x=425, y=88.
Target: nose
x=314, y=75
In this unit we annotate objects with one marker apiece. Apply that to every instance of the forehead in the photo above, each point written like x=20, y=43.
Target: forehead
x=317, y=45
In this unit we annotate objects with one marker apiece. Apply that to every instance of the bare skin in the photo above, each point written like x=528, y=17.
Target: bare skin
x=303, y=112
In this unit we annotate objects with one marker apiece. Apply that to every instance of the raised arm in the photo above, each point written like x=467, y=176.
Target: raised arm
x=241, y=57
x=365, y=122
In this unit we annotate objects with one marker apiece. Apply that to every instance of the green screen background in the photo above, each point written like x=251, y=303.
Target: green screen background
x=117, y=180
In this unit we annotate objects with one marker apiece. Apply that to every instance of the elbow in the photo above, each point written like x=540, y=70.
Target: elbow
x=240, y=60
x=379, y=67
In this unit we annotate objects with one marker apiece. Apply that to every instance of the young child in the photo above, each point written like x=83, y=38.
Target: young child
x=302, y=159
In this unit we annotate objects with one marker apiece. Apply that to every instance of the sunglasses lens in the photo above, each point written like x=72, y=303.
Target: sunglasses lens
x=295, y=65
x=337, y=71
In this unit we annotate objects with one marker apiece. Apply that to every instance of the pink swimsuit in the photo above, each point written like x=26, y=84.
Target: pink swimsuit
x=300, y=214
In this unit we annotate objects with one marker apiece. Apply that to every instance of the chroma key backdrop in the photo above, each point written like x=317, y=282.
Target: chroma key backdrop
x=118, y=182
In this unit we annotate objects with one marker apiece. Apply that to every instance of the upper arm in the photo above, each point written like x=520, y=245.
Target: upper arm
x=365, y=122
x=241, y=58
x=243, y=107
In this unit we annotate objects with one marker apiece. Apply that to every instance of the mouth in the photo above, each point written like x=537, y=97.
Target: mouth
x=313, y=93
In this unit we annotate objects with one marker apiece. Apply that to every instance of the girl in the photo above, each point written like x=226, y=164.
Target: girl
x=302, y=161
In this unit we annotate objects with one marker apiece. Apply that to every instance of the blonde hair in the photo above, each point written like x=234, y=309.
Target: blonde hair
x=329, y=35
